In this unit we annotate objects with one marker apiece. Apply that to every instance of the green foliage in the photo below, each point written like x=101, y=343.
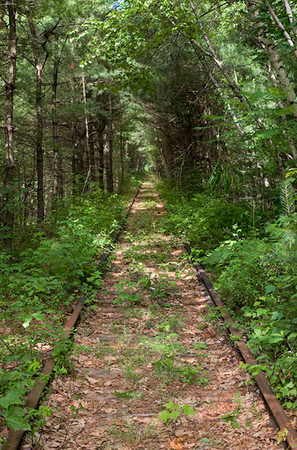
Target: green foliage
x=158, y=286
x=128, y=394
x=232, y=417
x=167, y=368
x=172, y=323
x=126, y=296
x=173, y=411
x=287, y=196
x=202, y=220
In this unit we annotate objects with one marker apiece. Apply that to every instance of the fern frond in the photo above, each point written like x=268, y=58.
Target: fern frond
x=287, y=197
x=215, y=177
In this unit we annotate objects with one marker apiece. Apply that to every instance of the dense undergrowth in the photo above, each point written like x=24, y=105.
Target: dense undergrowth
x=253, y=262
x=49, y=270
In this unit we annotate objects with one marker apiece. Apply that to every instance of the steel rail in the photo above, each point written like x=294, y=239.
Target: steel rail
x=274, y=406
x=32, y=399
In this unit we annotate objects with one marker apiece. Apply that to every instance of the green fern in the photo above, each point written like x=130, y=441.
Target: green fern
x=215, y=177
x=287, y=197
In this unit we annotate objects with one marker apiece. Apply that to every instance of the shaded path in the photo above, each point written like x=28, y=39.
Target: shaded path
x=154, y=347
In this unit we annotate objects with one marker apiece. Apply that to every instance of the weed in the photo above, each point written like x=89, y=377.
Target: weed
x=172, y=412
x=282, y=435
x=256, y=412
x=159, y=286
x=131, y=375
x=129, y=394
x=125, y=297
x=131, y=432
x=232, y=417
x=134, y=313
x=172, y=323
x=199, y=347
x=168, y=369
x=101, y=352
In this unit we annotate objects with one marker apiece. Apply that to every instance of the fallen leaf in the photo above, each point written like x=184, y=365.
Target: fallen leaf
x=176, y=445
x=96, y=433
x=91, y=380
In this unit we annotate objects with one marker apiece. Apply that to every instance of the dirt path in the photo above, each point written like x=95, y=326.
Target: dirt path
x=154, y=346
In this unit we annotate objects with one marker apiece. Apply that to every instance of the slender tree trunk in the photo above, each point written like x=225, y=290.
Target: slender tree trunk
x=280, y=105
x=39, y=66
x=109, y=174
x=290, y=15
x=233, y=85
x=39, y=149
x=219, y=90
x=275, y=59
x=9, y=160
x=87, y=143
x=74, y=159
x=279, y=23
x=121, y=177
x=280, y=71
x=74, y=162
x=55, y=122
x=92, y=151
x=100, y=130
x=164, y=162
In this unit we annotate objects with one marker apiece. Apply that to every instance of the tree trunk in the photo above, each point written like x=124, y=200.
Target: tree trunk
x=100, y=130
x=280, y=71
x=74, y=159
x=39, y=66
x=55, y=121
x=271, y=49
x=121, y=177
x=93, y=177
x=164, y=162
x=9, y=176
x=279, y=23
x=87, y=146
x=280, y=105
x=290, y=16
x=39, y=148
x=109, y=173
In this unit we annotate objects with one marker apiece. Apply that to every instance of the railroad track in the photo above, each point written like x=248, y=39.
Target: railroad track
x=149, y=345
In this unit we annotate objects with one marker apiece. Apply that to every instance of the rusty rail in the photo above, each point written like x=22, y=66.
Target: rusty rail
x=32, y=399
x=272, y=402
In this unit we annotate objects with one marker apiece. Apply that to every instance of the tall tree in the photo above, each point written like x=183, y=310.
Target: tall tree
x=9, y=178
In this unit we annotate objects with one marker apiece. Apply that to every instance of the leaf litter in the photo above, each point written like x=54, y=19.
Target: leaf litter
x=155, y=346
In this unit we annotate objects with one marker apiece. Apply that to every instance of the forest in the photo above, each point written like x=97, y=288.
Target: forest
x=98, y=95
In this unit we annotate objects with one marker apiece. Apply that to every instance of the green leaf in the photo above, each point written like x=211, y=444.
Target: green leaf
x=14, y=419
x=170, y=405
x=164, y=415
x=270, y=288
x=188, y=410
x=39, y=316
x=292, y=336
x=261, y=311
x=11, y=398
x=276, y=315
x=275, y=337
x=27, y=322
x=175, y=415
